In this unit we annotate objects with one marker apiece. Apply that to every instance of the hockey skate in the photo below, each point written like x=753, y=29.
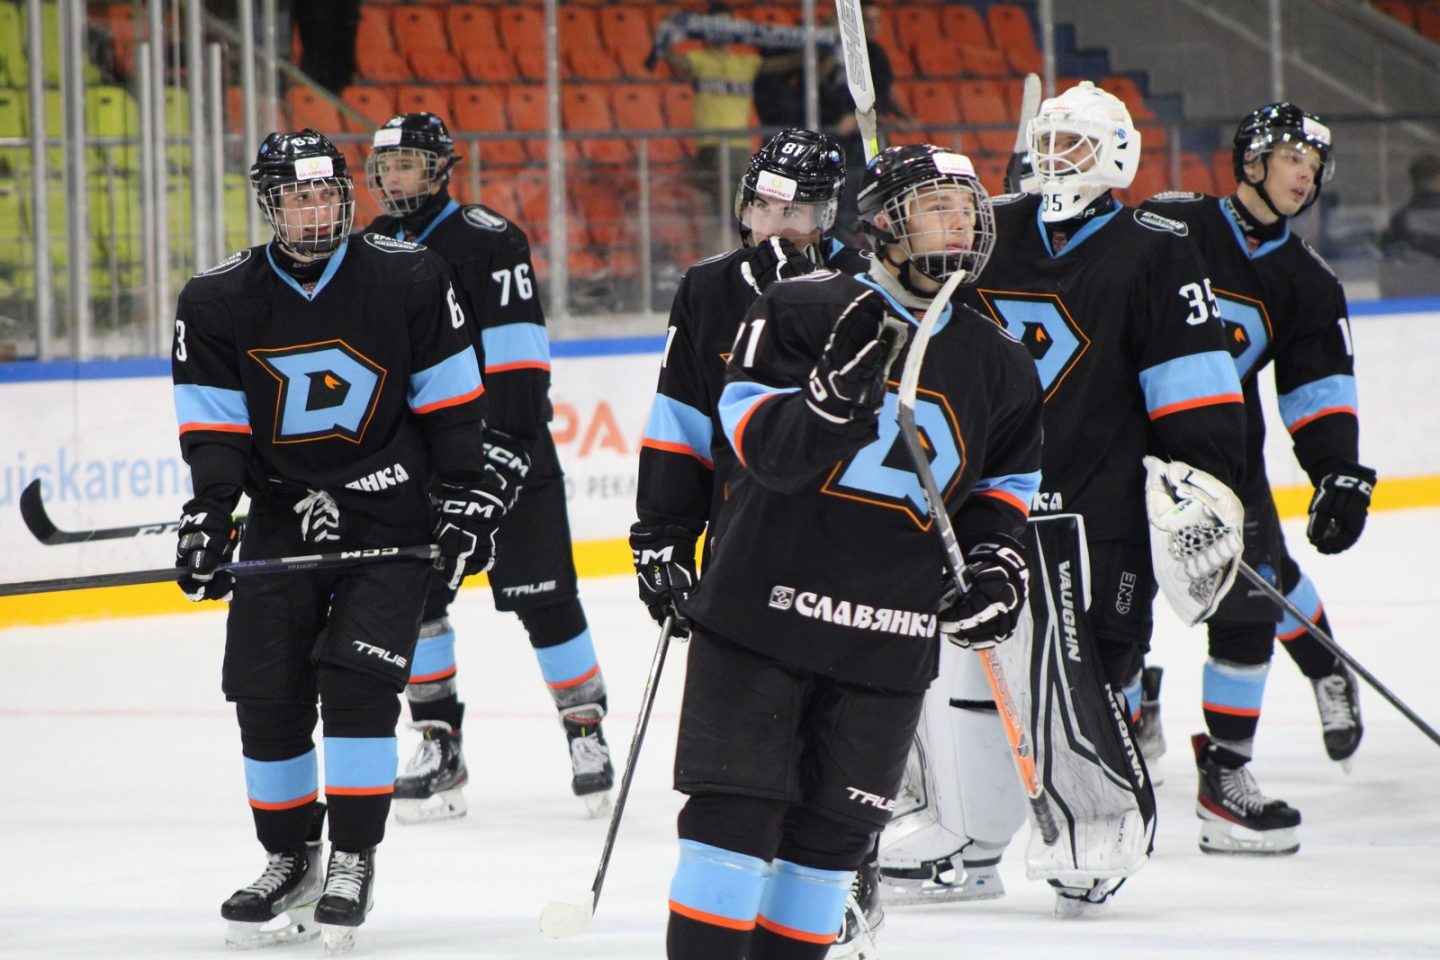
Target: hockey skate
x=942, y=881
x=1149, y=733
x=1338, y=698
x=1075, y=901
x=863, y=916
x=1235, y=817
x=431, y=788
x=278, y=908
x=349, y=895
x=593, y=776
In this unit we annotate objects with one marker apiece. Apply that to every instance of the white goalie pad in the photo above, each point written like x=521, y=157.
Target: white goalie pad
x=1195, y=536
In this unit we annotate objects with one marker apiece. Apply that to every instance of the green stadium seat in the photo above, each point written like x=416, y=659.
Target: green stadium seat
x=14, y=122
x=113, y=112
x=117, y=222
x=14, y=243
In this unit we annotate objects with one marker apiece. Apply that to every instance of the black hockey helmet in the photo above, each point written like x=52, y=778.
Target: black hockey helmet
x=1276, y=123
x=794, y=166
x=304, y=162
x=418, y=141
x=894, y=178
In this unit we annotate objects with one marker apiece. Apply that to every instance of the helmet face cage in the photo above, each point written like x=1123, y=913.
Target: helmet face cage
x=924, y=225
x=310, y=217
x=1081, y=144
x=401, y=179
x=1268, y=127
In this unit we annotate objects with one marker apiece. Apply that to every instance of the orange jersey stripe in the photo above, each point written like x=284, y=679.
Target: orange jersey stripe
x=578, y=680
x=714, y=919
x=218, y=427
x=1009, y=498
x=288, y=804
x=1328, y=411
x=359, y=791
x=1231, y=711
x=451, y=402
x=1195, y=404
x=745, y=422
x=804, y=936
x=679, y=448
x=432, y=677
x=518, y=365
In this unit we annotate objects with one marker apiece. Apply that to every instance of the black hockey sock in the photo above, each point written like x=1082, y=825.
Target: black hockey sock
x=1312, y=657
x=447, y=709
x=687, y=939
x=768, y=945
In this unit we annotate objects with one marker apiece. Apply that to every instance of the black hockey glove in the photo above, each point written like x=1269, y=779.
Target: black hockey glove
x=208, y=535
x=775, y=259
x=505, y=456
x=989, y=611
x=1339, y=507
x=465, y=531
x=848, y=382
x=665, y=566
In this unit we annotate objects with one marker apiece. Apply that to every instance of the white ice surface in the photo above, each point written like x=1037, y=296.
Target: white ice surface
x=123, y=822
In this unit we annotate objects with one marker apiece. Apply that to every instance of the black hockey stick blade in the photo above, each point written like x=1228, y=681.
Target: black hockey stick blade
x=38, y=522
x=559, y=920
x=1329, y=643
x=314, y=561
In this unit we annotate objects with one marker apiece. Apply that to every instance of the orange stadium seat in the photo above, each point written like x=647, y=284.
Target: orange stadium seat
x=1222, y=171
x=622, y=27
x=936, y=57
x=991, y=171
x=1427, y=21
x=435, y=65
x=983, y=62
x=530, y=63
x=1397, y=10
x=592, y=63
x=418, y=28
x=470, y=25
x=310, y=109
x=376, y=59
x=935, y=104
x=587, y=107
x=520, y=27
x=679, y=101
x=963, y=25
x=482, y=110
x=376, y=104
x=1153, y=177
x=901, y=63
x=1011, y=31
x=640, y=106
x=911, y=25
x=1129, y=92
x=489, y=62
x=1153, y=136
x=579, y=28
x=983, y=103
x=497, y=191
x=1195, y=174
x=417, y=99
x=525, y=105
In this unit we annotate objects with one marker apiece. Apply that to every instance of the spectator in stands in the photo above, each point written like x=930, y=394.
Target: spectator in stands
x=327, y=38
x=1415, y=227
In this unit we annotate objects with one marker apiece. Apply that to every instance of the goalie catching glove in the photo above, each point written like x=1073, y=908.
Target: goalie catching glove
x=665, y=566
x=208, y=535
x=1195, y=539
x=848, y=382
x=987, y=613
x=775, y=259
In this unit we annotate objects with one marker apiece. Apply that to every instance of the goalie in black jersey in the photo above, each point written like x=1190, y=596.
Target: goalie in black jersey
x=332, y=379
x=1279, y=303
x=408, y=173
x=816, y=627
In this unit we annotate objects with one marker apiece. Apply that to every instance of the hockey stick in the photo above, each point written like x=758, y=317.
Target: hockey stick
x=1285, y=602
x=1029, y=107
x=1021, y=747
x=559, y=919
x=32, y=511
x=314, y=561
x=857, y=72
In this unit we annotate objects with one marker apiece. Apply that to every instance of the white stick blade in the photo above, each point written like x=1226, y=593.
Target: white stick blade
x=561, y=920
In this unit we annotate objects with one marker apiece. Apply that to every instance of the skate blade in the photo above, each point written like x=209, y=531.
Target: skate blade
x=1070, y=908
x=445, y=805
x=1347, y=764
x=908, y=894
x=296, y=925
x=1230, y=839
x=338, y=939
x=597, y=805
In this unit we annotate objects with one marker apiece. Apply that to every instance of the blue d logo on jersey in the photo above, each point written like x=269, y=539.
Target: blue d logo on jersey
x=1041, y=322
x=326, y=390
x=1247, y=329
x=881, y=473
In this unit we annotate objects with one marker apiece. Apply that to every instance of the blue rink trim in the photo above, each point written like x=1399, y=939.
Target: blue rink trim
x=281, y=782
x=1332, y=394
x=1186, y=380
x=452, y=380
x=1307, y=598
x=569, y=661
x=195, y=404
x=433, y=655
x=674, y=423
x=1228, y=687
x=717, y=882
x=360, y=764
x=515, y=343
x=805, y=899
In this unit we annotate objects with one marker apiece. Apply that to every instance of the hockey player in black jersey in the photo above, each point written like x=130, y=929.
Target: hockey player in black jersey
x=1116, y=309
x=785, y=205
x=332, y=379
x=816, y=626
x=1280, y=303
x=408, y=173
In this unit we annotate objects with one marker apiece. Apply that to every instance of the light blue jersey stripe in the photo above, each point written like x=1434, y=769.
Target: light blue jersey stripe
x=567, y=662
x=718, y=882
x=805, y=898
x=1190, y=381
x=675, y=424
x=1326, y=395
x=1307, y=598
x=1231, y=687
x=282, y=781
x=433, y=655
x=195, y=404
x=452, y=380
x=515, y=344
x=1021, y=486
x=738, y=399
x=360, y=762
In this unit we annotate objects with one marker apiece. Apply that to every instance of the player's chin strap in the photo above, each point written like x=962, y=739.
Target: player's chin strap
x=1265, y=195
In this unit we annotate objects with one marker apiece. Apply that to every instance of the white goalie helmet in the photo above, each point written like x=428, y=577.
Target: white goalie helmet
x=1081, y=143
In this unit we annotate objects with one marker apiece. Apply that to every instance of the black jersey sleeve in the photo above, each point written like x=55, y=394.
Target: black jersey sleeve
x=762, y=407
x=445, y=390
x=210, y=402
x=1192, y=392
x=1315, y=379
x=677, y=471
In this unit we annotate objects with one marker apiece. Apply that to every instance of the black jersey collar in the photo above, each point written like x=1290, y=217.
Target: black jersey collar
x=878, y=284
x=436, y=207
x=1078, y=228
x=1269, y=237
x=332, y=264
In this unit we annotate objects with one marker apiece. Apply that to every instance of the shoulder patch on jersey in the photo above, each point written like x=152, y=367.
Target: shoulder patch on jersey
x=390, y=245
x=1151, y=220
x=1316, y=254
x=478, y=216
x=1005, y=198
x=1178, y=196
x=229, y=263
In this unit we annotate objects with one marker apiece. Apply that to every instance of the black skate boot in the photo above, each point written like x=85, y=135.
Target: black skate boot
x=349, y=895
x=278, y=908
x=431, y=788
x=593, y=776
x=863, y=915
x=1235, y=816
x=1338, y=698
x=1149, y=733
